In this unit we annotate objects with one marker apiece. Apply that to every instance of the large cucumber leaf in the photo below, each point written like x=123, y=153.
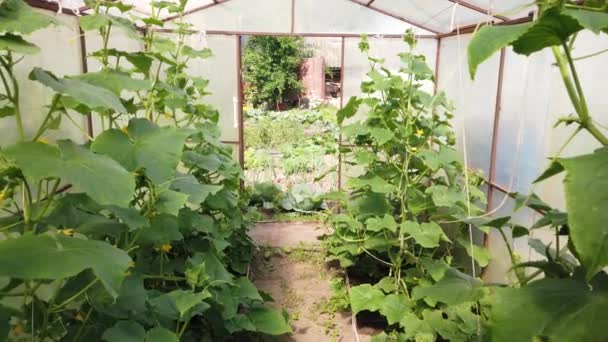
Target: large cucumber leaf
x=552, y=309
x=18, y=17
x=586, y=200
x=89, y=95
x=147, y=146
x=103, y=179
x=56, y=257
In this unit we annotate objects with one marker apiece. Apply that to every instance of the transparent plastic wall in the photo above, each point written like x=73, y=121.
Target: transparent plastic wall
x=533, y=99
x=244, y=15
x=474, y=101
x=60, y=54
x=343, y=16
x=221, y=71
x=438, y=15
x=356, y=66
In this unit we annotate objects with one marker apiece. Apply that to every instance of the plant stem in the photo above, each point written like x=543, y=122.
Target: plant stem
x=43, y=125
x=575, y=92
x=74, y=297
x=8, y=66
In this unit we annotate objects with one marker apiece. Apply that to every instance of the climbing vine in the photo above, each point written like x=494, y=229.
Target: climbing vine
x=400, y=225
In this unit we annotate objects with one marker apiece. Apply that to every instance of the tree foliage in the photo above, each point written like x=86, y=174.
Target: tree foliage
x=272, y=68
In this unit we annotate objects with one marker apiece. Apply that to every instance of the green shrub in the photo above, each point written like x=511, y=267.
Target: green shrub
x=271, y=69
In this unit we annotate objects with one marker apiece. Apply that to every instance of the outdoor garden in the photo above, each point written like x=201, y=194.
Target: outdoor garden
x=163, y=179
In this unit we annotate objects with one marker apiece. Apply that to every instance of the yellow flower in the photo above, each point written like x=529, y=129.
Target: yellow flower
x=67, y=231
x=17, y=329
x=419, y=133
x=167, y=116
x=166, y=248
x=43, y=140
x=414, y=149
x=125, y=130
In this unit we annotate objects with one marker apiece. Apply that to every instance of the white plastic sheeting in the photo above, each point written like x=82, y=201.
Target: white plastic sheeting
x=60, y=54
x=475, y=101
x=244, y=15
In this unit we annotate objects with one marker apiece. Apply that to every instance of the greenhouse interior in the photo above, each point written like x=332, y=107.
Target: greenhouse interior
x=301, y=170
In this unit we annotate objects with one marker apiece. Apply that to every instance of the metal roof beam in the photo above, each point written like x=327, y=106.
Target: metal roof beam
x=395, y=16
x=478, y=9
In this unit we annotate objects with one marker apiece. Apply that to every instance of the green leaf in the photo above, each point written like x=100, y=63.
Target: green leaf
x=5, y=320
x=490, y=39
x=454, y=288
x=163, y=229
x=96, y=21
x=560, y=310
x=246, y=289
x=395, y=307
x=170, y=202
x=101, y=178
x=375, y=224
x=446, y=197
x=18, y=17
x=17, y=44
x=479, y=253
x=89, y=95
x=214, y=267
x=187, y=300
x=197, y=192
x=592, y=20
x=56, y=257
x=93, y=21
x=127, y=331
x=115, y=81
x=375, y=183
x=586, y=202
x=349, y=110
x=366, y=297
x=427, y=234
x=156, y=150
x=551, y=29
x=268, y=321
x=554, y=169
x=381, y=135
x=117, y=145
x=160, y=334
x=209, y=162
x=104, y=180
x=193, y=53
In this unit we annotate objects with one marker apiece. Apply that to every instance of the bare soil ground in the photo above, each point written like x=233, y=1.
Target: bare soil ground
x=291, y=268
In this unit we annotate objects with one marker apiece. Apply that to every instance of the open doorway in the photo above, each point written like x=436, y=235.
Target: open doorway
x=292, y=88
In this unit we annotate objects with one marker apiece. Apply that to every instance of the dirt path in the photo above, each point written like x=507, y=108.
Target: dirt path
x=291, y=269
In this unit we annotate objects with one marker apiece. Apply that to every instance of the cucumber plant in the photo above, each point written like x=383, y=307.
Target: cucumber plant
x=401, y=223
x=139, y=232
x=563, y=298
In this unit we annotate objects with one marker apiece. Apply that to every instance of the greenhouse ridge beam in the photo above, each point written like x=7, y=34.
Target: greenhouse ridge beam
x=394, y=16
x=478, y=9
